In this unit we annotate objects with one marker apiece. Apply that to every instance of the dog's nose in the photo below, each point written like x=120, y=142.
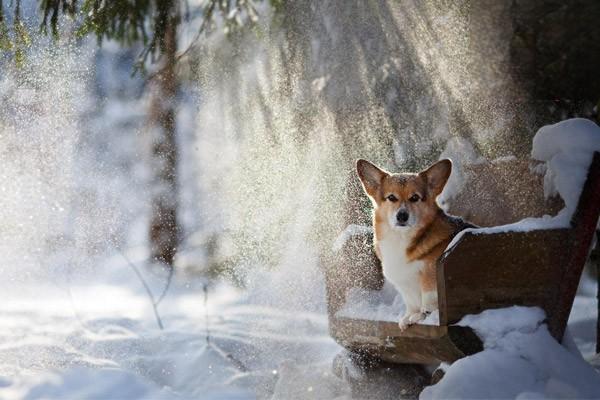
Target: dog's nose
x=402, y=216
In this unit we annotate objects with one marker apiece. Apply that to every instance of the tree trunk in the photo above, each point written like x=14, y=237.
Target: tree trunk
x=164, y=224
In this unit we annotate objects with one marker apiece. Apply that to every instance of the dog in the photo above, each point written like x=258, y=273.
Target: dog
x=411, y=231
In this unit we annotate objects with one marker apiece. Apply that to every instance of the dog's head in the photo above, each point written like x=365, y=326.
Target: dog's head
x=404, y=200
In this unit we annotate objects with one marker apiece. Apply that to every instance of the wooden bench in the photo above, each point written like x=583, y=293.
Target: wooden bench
x=481, y=271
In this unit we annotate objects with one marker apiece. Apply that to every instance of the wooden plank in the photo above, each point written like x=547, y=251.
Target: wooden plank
x=537, y=268
x=419, y=344
x=583, y=224
x=495, y=270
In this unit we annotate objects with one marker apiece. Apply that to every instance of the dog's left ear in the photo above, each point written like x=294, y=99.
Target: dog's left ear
x=436, y=176
x=370, y=176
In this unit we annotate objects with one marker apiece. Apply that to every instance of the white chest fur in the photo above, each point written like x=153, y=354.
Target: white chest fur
x=404, y=275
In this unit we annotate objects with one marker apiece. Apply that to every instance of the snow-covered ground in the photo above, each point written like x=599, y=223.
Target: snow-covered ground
x=101, y=341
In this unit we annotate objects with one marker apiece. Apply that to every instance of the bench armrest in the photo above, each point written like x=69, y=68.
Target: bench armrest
x=495, y=270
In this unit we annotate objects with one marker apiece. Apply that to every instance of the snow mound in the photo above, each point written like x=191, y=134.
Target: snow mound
x=520, y=360
x=567, y=148
x=221, y=347
x=86, y=383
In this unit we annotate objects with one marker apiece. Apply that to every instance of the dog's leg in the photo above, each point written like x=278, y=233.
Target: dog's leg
x=429, y=298
x=412, y=299
x=429, y=301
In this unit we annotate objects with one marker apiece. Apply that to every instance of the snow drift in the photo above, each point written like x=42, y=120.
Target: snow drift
x=521, y=360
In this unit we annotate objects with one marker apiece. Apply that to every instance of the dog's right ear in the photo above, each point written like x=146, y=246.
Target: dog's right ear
x=371, y=176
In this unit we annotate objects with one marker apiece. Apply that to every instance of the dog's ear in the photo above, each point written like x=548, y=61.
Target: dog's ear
x=436, y=176
x=370, y=176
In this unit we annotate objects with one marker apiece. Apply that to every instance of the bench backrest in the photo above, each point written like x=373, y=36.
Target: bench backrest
x=536, y=268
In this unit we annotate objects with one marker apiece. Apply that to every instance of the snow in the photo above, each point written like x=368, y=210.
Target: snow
x=520, y=360
x=378, y=305
x=78, y=347
x=81, y=348
x=567, y=148
x=86, y=383
x=524, y=225
x=309, y=382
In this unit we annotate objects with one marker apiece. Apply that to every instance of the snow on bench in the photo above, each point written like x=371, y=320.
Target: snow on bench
x=378, y=305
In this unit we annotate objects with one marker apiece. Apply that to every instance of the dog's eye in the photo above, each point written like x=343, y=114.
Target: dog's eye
x=392, y=198
x=414, y=198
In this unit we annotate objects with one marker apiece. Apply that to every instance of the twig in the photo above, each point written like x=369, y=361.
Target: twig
x=167, y=284
x=141, y=278
x=205, y=289
x=225, y=355
x=156, y=74
x=206, y=19
x=67, y=289
x=236, y=363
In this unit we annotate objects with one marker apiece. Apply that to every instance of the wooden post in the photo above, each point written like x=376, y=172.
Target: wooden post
x=583, y=226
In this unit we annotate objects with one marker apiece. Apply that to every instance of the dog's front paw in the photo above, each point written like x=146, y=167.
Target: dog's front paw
x=404, y=322
x=416, y=317
x=410, y=319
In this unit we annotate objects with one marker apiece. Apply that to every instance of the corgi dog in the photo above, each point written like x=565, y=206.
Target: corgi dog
x=411, y=231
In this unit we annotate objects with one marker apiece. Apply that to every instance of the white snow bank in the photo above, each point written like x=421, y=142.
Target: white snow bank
x=520, y=360
x=567, y=148
x=104, y=344
x=85, y=383
x=378, y=305
x=493, y=325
